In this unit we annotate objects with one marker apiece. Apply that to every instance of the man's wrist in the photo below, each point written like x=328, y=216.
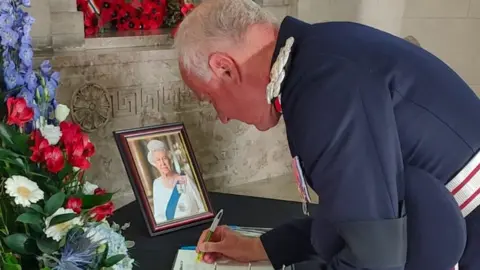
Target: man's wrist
x=258, y=249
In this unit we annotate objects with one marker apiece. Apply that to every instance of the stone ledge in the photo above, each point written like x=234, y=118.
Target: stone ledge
x=129, y=39
x=266, y=3
x=91, y=57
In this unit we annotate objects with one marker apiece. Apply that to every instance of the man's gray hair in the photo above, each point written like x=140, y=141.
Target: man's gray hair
x=214, y=26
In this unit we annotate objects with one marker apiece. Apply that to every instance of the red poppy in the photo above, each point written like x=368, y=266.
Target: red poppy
x=99, y=213
x=54, y=159
x=186, y=8
x=75, y=204
x=18, y=111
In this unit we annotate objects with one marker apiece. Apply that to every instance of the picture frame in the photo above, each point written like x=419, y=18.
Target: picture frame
x=165, y=177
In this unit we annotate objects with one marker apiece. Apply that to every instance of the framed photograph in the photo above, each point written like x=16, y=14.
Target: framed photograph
x=165, y=177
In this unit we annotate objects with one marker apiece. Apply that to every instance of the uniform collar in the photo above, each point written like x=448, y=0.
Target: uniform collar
x=289, y=28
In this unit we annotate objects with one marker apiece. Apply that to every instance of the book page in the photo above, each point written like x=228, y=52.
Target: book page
x=187, y=260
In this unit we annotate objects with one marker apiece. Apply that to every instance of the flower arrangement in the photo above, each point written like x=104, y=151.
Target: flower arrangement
x=121, y=15
x=51, y=218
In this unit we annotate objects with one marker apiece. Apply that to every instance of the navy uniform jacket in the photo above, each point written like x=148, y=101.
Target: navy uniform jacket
x=381, y=126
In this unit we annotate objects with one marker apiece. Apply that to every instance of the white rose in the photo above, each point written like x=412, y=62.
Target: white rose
x=61, y=112
x=89, y=188
x=51, y=133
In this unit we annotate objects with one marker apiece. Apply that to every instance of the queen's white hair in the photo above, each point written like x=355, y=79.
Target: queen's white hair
x=156, y=146
x=214, y=26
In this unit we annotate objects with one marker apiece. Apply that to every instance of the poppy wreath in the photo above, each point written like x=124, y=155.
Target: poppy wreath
x=120, y=15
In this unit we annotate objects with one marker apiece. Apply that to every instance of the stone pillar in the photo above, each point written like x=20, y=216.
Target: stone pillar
x=41, y=34
x=66, y=25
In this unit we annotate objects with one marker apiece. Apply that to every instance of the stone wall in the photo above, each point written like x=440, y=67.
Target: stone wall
x=136, y=79
x=450, y=30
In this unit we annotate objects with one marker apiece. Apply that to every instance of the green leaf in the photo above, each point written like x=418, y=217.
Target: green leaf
x=90, y=201
x=67, y=170
x=111, y=261
x=55, y=202
x=6, y=154
x=37, y=208
x=30, y=218
x=61, y=219
x=11, y=266
x=20, y=143
x=16, y=242
x=10, y=258
x=47, y=245
x=6, y=133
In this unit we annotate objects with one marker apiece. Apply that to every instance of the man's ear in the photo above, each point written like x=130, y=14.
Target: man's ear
x=224, y=67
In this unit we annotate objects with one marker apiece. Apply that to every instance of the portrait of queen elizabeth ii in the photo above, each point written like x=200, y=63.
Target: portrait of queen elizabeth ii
x=174, y=195
x=165, y=177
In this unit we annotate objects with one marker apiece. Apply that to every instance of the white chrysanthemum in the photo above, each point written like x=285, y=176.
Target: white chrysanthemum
x=58, y=231
x=24, y=190
x=89, y=188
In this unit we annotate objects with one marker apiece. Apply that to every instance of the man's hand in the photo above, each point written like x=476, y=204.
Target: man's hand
x=227, y=243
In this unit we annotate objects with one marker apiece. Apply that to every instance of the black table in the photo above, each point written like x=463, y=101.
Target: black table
x=158, y=253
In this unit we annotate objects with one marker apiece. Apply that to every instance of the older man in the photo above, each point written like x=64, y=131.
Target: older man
x=382, y=128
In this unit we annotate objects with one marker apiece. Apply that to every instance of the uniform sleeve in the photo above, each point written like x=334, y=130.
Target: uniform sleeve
x=289, y=243
x=345, y=133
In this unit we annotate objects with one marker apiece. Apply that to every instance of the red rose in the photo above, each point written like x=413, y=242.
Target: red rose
x=75, y=204
x=53, y=157
x=99, y=191
x=18, y=111
x=101, y=212
x=40, y=144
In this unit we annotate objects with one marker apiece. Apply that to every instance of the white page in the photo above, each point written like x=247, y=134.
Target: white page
x=188, y=259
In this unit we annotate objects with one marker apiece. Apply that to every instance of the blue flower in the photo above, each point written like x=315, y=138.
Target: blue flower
x=31, y=80
x=11, y=76
x=6, y=7
x=26, y=3
x=79, y=252
x=115, y=241
x=6, y=20
x=28, y=20
x=26, y=39
x=55, y=76
x=9, y=37
x=26, y=54
x=45, y=67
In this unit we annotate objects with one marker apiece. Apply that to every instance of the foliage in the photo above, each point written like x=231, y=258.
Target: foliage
x=47, y=209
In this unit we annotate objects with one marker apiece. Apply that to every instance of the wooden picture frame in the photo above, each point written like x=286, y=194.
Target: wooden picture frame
x=165, y=177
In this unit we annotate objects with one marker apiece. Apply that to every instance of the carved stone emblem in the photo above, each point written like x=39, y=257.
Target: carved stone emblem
x=412, y=40
x=91, y=107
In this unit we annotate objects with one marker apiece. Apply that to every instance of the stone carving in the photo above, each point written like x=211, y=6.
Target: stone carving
x=412, y=40
x=165, y=97
x=91, y=107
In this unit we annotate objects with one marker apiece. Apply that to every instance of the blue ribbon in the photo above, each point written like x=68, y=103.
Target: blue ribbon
x=172, y=204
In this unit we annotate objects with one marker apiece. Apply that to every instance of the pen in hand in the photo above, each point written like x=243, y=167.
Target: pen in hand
x=211, y=230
